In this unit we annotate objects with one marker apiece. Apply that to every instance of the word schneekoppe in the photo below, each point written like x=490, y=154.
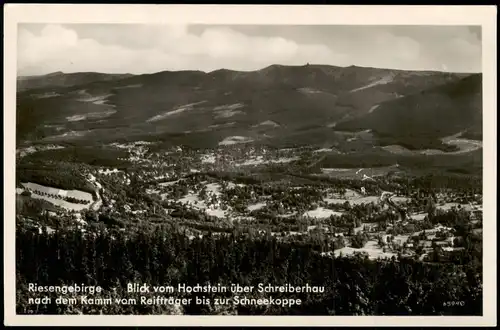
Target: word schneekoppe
x=235, y=288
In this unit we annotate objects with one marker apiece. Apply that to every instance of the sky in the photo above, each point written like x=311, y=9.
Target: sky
x=141, y=48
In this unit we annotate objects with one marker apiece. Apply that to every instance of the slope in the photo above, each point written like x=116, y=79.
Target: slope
x=418, y=120
x=298, y=104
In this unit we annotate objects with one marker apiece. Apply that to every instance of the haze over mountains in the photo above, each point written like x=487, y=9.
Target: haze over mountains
x=346, y=108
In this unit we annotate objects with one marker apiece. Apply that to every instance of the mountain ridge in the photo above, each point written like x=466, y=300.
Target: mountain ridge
x=246, y=71
x=307, y=104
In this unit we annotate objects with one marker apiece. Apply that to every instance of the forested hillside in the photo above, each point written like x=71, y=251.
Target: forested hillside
x=165, y=256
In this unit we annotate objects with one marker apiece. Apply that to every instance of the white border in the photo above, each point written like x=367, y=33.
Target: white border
x=255, y=14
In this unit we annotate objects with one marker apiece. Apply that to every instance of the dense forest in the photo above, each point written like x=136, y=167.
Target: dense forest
x=471, y=164
x=415, y=143
x=165, y=256
x=95, y=155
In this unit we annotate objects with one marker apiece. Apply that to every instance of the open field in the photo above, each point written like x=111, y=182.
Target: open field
x=59, y=192
x=61, y=203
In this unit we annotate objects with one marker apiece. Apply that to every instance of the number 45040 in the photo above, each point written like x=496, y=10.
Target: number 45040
x=453, y=303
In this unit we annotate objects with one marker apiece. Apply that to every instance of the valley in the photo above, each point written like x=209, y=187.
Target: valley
x=273, y=191
x=365, y=181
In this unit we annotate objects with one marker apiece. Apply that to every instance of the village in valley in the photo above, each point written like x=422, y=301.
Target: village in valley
x=263, y=191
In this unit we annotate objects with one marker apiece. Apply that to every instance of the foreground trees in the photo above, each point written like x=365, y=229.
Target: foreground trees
x=166, y=256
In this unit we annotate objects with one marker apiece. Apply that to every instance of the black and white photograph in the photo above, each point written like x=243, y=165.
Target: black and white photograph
x=224, y=169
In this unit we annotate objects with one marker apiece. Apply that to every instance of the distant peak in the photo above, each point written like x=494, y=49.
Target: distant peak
x=275, y=66
x=223, y=70
x=57, y=73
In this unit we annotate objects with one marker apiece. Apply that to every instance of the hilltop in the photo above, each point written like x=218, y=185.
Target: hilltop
x=60, y=79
